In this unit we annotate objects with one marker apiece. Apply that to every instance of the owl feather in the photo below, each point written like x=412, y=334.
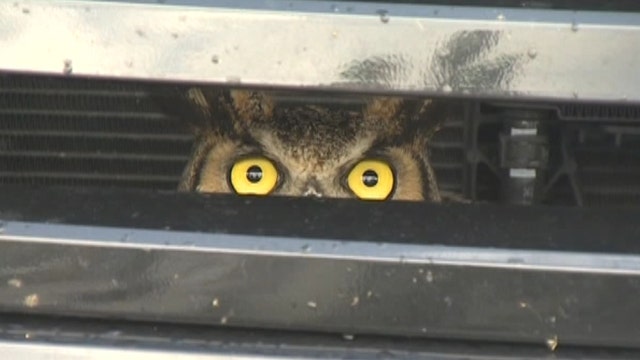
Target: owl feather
x=313, y=145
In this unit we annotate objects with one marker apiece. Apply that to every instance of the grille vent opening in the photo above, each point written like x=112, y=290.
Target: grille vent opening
x=82, y=132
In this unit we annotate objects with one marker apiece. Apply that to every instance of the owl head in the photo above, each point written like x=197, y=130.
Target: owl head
x=251, y=143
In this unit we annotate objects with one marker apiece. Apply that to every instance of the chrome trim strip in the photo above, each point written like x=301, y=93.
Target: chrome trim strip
x=410, y=49
x=124, y=238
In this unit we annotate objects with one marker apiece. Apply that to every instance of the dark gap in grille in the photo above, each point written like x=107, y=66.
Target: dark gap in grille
x=601, y=164
x=82, y=132
x=597, y=112
x=608, y=164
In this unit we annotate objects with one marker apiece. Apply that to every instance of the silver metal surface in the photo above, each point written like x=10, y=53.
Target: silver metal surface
x=465, y=51
x=147, y=240
x=359, y=288
x=45, y=351
x=34, y=338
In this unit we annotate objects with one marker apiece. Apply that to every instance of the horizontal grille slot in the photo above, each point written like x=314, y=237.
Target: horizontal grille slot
x=446, y=145
x=91, y=156
x=609, y=169
x=621, y=190
x=113, y=144
x=87, y=134
x=612, y=198
x=39, y=83
x=161, y=182
x=81, y=122
x=61, y=102
x=82, y=132
x=608, y=165
x=450, y=179
x=90, y=165
x=586, y=112
x=446, y=150
x=75, y=113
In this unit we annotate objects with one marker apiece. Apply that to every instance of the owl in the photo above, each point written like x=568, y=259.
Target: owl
x=256, y=143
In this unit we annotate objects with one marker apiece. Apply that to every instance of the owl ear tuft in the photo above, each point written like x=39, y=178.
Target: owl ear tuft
x=429, y=116
x=383, y=108
x=213, y=109
x=203, y=110
x=252, y=106
x=383, y=115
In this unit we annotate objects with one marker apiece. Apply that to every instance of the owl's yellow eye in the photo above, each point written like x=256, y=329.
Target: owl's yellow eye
x=253, y=176
x=371, y=180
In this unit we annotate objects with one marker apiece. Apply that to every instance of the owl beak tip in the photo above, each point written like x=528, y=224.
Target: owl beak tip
x=312, y=192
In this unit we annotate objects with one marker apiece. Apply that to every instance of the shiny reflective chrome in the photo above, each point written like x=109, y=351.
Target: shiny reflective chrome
x=306, y=284
x=43, y=351
x=464, y=51
x=147, y=240
x=33, y=350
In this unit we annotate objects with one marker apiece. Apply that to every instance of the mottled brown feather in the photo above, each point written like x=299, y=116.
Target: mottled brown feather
x=314, y=145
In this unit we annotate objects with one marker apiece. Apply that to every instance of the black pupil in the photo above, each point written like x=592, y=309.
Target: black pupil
x=254, y=174
x=370, y=178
